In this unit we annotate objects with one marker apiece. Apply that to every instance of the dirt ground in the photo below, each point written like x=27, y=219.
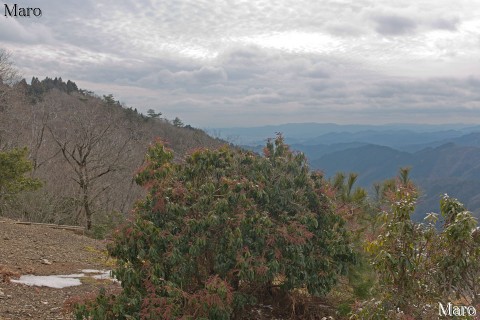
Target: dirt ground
x=41, y=250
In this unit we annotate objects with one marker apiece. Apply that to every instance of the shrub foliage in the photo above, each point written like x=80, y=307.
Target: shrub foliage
x=219, y=231
x=14, y=166
x=418, y=265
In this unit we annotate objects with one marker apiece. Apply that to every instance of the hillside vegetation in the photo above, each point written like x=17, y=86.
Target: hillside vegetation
x=84, y=150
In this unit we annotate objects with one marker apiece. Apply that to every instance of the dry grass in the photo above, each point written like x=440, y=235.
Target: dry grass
x=6, y=274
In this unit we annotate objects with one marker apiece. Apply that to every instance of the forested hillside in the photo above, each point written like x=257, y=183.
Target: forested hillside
x=84, y=150
x=448, y=169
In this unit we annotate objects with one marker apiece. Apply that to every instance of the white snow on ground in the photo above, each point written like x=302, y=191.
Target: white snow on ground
x=94, y=271
x=75, y=275
x=57, y=282
x=63, y=281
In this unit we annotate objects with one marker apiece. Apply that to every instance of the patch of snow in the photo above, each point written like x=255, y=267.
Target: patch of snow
x=63, y=281
x=94, y=271
x=75, y=275
x=58, y=282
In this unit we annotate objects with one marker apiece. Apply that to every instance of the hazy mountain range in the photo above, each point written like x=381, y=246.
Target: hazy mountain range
x=443, y=158
x=327, y=133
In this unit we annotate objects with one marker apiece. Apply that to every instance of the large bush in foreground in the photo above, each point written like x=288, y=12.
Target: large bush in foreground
x=220, y=231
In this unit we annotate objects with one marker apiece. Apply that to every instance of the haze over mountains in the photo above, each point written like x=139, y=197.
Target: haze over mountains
x=443, y=158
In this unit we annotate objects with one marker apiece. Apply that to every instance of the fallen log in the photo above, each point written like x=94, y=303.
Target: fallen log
x=55, y=226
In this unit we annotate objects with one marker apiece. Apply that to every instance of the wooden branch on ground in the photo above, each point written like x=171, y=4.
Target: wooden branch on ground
x=55, y=226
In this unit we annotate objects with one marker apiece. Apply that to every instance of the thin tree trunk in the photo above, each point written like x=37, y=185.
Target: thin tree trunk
x=86, y=203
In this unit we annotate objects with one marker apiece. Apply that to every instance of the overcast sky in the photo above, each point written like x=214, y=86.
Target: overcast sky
x=222, y=63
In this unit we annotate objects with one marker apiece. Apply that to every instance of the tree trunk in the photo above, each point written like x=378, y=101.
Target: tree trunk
x=88, y=214
x=86, y=205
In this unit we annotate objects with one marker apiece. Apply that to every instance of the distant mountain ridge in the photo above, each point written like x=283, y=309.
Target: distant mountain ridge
x=311, y=133
x=471, y=139
x=393, y=138
x=444, y=158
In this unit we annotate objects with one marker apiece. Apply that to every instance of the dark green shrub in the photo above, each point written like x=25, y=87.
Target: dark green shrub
x=220, y=231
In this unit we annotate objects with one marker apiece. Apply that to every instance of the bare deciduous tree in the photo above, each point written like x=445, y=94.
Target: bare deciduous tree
x=8, y=76
x=8, y=73
x=93, y=148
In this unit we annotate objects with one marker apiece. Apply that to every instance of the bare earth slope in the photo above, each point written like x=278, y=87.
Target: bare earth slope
x=41, y=250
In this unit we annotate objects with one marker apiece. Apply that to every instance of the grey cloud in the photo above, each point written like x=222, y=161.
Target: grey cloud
x=284, y=84
x=270, y=81
x=329, y=89
x=221, y=89
x=203, y=76
x=449, y=24
x=433, y=94
x=12, y=30
x=208, y=74
x=139, y=50
x=353, y=95
x=269, y=98
x=346, y=29
x=260, y=90
x=392, y=25
x=317, y=73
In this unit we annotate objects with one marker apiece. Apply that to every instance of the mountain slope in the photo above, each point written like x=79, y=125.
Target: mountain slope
x=84, y=148
x=449, y=168
x=372, y=162
x=471, y=139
